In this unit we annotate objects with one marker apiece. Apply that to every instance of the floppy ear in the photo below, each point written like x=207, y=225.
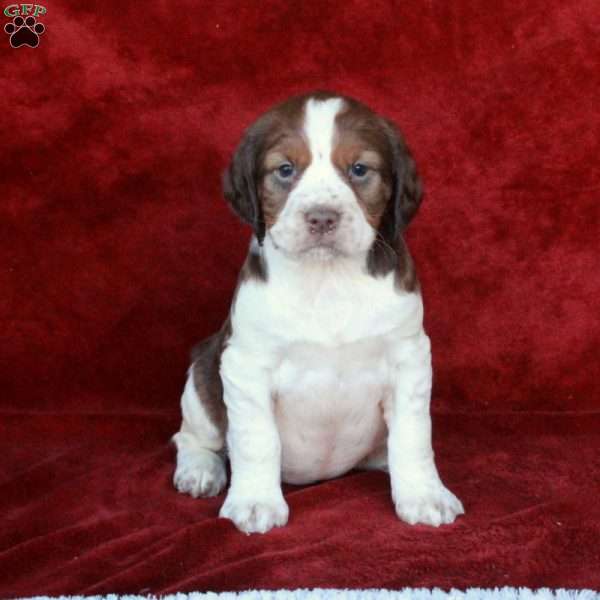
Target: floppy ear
x=407, y=189
x=240, y=183
x=401, y=208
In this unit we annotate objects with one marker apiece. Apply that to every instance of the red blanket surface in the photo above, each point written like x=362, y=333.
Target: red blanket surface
x=118, y=253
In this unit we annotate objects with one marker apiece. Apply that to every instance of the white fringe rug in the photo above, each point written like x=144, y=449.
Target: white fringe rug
x=506, y=593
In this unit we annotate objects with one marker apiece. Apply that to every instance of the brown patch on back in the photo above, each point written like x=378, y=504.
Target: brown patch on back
x=206, y=362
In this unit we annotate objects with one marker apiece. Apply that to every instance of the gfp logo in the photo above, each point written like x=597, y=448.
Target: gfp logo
x=25, y=30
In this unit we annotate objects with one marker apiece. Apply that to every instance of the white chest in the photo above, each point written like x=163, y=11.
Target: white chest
x=328, y=408
x=327, y=343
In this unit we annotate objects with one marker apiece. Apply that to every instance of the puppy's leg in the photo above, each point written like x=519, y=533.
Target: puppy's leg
x=254, y=501
x=419, y=494
x=200, y=442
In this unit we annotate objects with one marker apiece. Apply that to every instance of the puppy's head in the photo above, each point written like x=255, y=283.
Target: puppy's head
x=323, y=176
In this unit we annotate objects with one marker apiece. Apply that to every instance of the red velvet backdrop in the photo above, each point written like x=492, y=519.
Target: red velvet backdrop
x=118, y=253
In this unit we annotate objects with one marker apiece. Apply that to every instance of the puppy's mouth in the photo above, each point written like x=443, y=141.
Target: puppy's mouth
x=323, y=246
x=319, y=252
x=323, y=249
x=318, y=248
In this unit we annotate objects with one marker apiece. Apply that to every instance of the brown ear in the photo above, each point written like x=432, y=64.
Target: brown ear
x=402, y=206
x=240, y=182
x=407, y=189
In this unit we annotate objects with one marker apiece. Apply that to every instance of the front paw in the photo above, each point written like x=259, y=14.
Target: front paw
x=428, y=505
x=255, y=515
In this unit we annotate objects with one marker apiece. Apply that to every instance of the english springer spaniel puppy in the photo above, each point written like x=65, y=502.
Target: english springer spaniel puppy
x=323, y=365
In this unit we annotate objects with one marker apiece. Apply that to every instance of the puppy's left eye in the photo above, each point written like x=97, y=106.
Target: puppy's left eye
x=286, y=170
x=358, y=170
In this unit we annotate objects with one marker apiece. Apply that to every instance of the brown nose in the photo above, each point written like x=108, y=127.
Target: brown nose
x=322, y=220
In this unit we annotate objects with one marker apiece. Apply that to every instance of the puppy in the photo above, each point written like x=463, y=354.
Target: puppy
x=323, y=365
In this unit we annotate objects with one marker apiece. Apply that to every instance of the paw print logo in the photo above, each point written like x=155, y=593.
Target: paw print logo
x=24, y=32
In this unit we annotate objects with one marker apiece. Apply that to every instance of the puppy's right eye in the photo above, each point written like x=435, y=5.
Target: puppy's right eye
x=358, y=170
x=286, y=170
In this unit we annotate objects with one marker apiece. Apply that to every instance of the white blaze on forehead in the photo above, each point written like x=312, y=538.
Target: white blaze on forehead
x=319, y=126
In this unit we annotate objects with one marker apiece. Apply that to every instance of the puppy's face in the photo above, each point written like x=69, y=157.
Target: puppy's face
x=324, y=177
